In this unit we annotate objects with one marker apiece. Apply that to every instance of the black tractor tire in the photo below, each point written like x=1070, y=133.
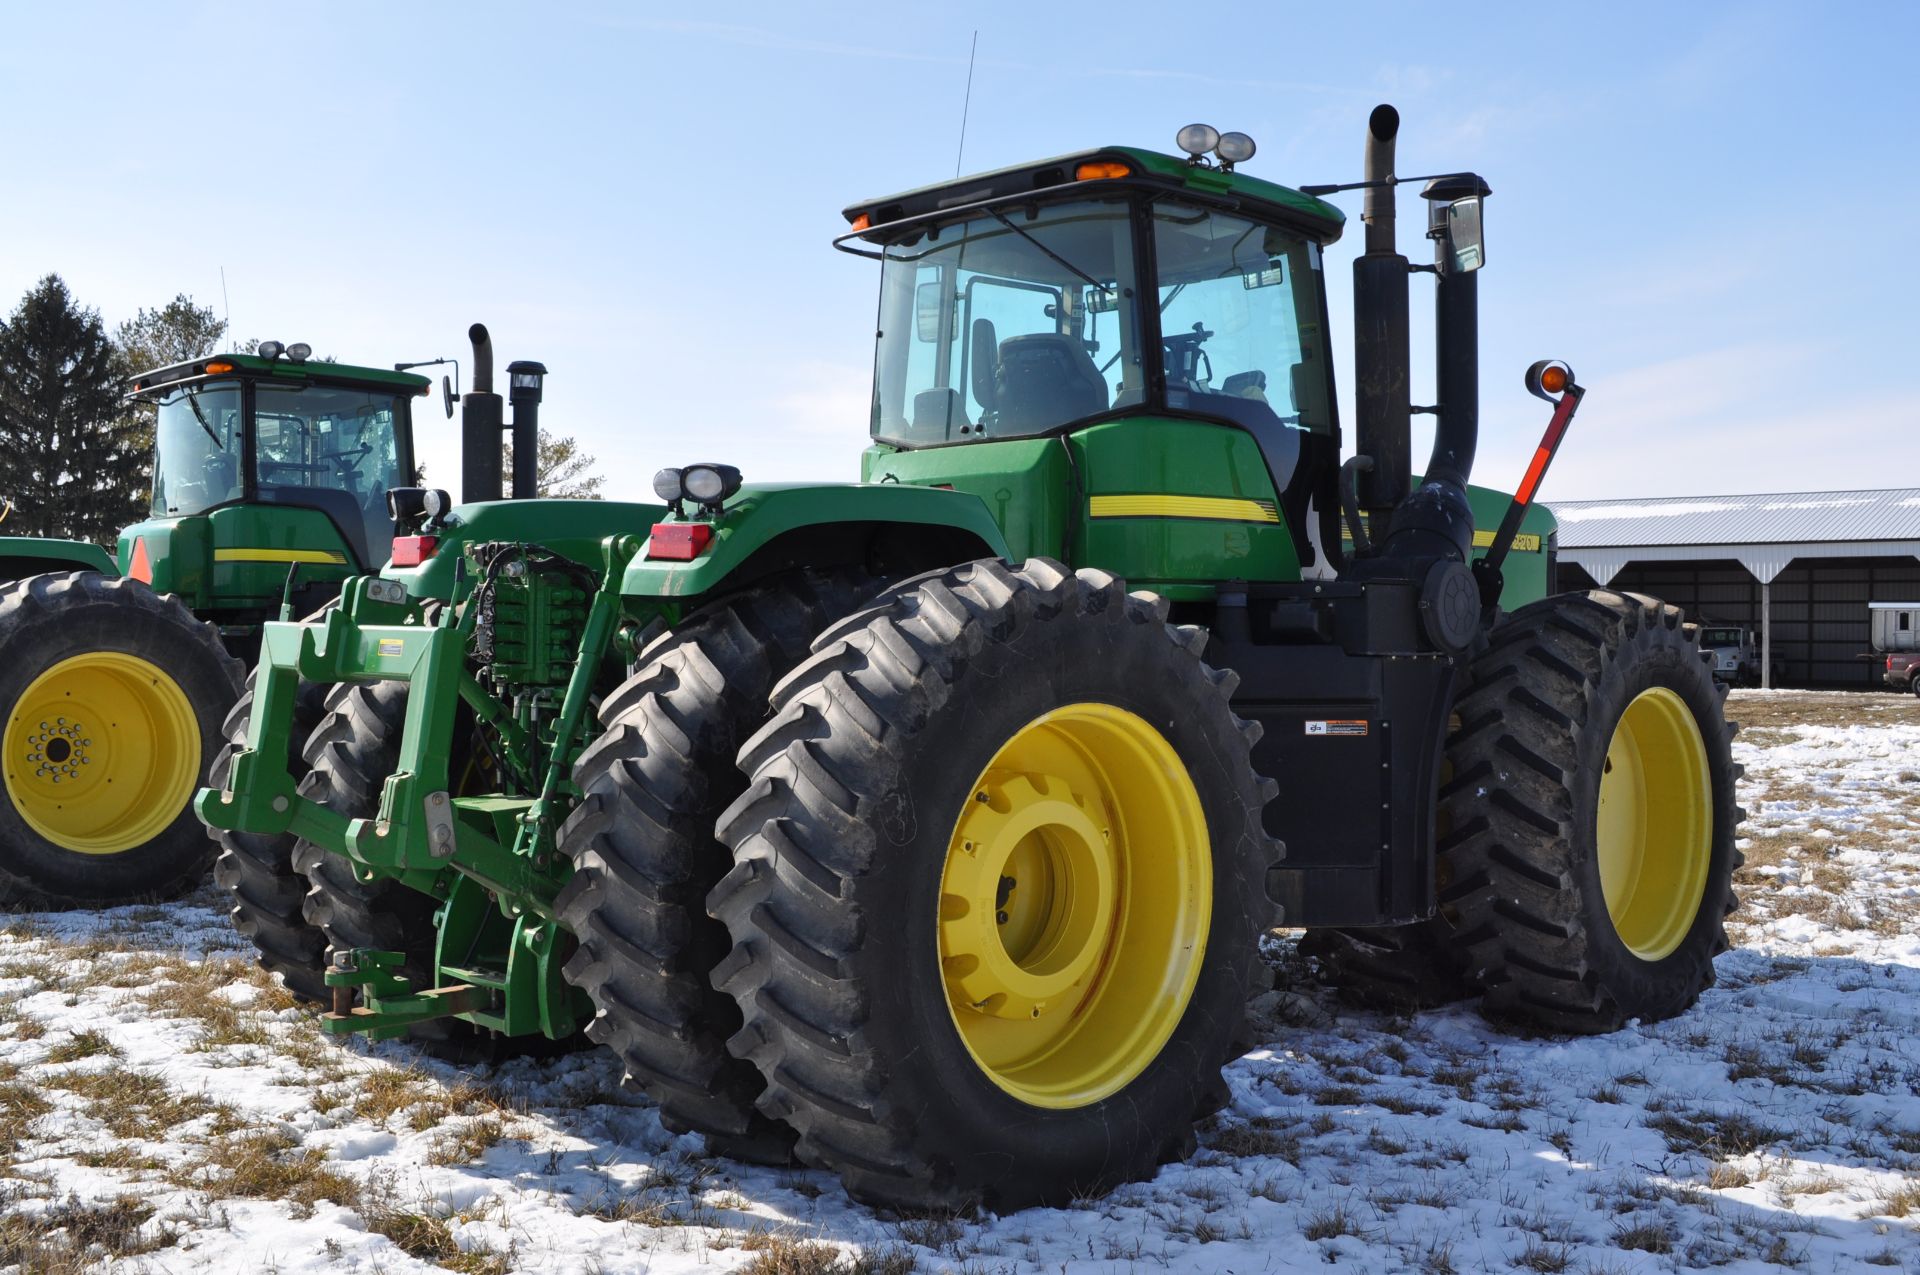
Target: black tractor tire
x=349, y=757
x=268, y=893
x=645, y=856
x=1391, y=967
x=1520, y=872
x=857, y=787
x=171, y=667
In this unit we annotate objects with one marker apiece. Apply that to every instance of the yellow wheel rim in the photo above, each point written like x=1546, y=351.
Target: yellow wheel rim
x=1654, y=827
x=102, y=752
x=1074, y=905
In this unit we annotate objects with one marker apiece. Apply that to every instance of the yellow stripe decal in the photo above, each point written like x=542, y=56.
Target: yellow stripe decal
x=1525, y=542
x=1522, y=543
x=281, y=555
x=1219, y=508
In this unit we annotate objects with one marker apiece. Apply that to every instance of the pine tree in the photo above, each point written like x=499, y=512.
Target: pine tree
x=563, y=472
x=174, y=333
x=67, y=459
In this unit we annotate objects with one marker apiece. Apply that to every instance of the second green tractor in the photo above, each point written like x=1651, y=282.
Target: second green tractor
x=924, y=829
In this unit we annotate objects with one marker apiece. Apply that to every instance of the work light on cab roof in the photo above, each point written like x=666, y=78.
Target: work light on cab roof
x=1229, y=148
x=298, y=352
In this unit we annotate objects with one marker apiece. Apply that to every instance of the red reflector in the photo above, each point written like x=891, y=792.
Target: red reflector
x=679, y=541
x=411, y=551
x=141, y=568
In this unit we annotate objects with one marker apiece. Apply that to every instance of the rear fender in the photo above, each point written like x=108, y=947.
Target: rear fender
x=888, y=528
x=23, y=556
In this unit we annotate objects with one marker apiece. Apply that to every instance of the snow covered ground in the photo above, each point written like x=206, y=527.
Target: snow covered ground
x=163, y=1107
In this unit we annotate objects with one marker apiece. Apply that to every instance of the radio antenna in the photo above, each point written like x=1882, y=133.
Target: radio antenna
x=967, y=104
x=225, y=304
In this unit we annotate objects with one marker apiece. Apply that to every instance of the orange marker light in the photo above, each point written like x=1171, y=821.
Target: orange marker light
x=1100, y=170
x=862, y=221
x=1553, y=380
x=217, y=367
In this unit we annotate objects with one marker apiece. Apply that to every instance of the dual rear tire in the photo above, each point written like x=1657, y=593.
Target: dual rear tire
x=1586, y=860
x=962, y=802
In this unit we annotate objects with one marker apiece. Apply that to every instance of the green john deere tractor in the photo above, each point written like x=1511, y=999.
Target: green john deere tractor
x=269, y=488
x=925, y=828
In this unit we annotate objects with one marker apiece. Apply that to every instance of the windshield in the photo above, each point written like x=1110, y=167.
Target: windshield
x=1240, y=319
x=197, y=450
x=1007, y=326
x=331, y=448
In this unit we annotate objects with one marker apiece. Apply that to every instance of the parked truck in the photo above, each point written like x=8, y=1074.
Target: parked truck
x=1895, y=640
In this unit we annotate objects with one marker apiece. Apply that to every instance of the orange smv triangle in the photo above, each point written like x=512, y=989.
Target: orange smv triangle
x=140, y=569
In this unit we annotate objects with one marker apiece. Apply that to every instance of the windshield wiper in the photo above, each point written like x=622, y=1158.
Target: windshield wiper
x=1090, y=281
x=193, y=402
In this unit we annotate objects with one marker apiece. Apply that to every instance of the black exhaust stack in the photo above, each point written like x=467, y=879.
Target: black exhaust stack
x=481, y=415
x=524, y=383
x=1381, y=403
x=1435, y=522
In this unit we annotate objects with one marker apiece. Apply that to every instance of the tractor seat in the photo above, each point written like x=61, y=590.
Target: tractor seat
x=1046, y=378
x=1247, y=385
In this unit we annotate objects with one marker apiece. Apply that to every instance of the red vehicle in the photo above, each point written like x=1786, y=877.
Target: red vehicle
x=1896, y=638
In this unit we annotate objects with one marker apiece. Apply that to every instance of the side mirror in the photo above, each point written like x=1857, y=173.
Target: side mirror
x=1465, y=247
x=986, y=364
x=447, y=395
x=929, y=299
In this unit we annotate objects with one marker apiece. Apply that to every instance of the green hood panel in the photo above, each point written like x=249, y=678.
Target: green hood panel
x=573, y=529
x=22, y=556
x=765, y=513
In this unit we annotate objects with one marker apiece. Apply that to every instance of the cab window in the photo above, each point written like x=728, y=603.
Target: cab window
x=1240, y=319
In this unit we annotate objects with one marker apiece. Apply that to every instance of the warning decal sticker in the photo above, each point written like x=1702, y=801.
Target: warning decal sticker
x=1345, y=727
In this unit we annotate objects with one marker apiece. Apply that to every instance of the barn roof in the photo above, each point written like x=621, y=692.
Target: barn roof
x=1802, y=517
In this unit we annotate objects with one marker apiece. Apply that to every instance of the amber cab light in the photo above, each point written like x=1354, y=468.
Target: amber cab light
x=219, y=367
x=411, y=551
x=679, y=541
x=1099, y=170
x=863, y=221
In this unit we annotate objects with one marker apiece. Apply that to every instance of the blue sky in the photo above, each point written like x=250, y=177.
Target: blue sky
x=1708, y=209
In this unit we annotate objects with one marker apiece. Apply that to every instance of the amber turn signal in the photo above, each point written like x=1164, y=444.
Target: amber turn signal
x=1099, y=170
x=862, y=221
x=218, y=367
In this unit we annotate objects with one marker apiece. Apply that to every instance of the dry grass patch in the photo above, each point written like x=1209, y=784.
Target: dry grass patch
x=134, y=1104
x=1720, y=1135
x=20, y=1106
x=428, y=1237
x=269, y=1166
x=1258, y=1137
x=1654, y=1236
x=75, y=1237
x=1901, y=1201
x=86, y=1045
x=464, y=1145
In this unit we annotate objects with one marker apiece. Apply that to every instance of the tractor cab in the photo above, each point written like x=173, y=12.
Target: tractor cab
x=266, y=464
x=1159, y=298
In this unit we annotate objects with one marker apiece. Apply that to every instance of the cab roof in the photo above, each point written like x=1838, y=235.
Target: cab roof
x=1264, y=199
x=280, y=369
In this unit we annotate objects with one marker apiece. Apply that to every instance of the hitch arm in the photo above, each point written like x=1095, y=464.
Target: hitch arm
x=1545, y=379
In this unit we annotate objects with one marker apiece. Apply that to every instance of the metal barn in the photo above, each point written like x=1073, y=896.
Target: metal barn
x=1800, y=567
